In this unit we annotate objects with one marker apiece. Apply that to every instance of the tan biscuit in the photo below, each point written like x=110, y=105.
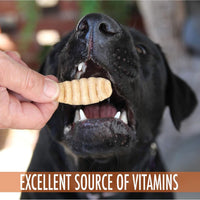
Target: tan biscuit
x=84, y=91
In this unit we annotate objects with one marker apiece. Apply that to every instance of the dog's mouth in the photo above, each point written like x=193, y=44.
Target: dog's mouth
x=114, y=107
x=102, y=127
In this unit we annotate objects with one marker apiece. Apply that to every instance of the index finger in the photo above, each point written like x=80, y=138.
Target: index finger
x=23, y=80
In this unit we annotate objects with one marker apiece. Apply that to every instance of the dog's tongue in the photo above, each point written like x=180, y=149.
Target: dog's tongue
x=100, y=111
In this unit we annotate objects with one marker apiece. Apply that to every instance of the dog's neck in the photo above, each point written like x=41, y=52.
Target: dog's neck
x=148, y=164
x=102, y=195
x=148, y=161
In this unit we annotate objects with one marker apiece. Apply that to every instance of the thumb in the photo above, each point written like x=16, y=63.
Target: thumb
x=28, y=83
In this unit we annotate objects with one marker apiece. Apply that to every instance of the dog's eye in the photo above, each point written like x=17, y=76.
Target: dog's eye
x=141, y=49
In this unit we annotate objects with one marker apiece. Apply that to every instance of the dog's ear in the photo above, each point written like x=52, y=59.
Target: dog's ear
x=179, y=96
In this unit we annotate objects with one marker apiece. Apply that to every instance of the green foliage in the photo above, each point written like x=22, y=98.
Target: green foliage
x=92, y=6
x=31, y=14
x=119, y=10
x=43, y=52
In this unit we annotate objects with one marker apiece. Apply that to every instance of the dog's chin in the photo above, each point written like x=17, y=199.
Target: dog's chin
x=100, y=138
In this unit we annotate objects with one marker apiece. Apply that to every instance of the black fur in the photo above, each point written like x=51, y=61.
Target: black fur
x=143, y=85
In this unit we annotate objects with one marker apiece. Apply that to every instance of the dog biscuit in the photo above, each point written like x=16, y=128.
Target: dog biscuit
x=84, y=91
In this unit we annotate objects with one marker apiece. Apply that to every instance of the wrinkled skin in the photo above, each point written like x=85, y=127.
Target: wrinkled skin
x=143, y=85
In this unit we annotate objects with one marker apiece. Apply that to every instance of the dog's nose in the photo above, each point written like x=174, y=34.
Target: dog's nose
x=98, y=27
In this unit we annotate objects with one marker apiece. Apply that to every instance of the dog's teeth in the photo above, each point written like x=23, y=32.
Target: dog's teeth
x=124, y=117
x=82, y=115
x=117, y=115
x=77, y=116
x=82, y=67
x=78, y=75
x=67, y=129
x=81, y=70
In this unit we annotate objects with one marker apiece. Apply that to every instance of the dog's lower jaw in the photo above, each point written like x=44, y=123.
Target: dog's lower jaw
x=100, y=163
x=92, y=163
x=129, y=161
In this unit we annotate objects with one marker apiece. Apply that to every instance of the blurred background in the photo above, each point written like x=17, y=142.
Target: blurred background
x=32, y=27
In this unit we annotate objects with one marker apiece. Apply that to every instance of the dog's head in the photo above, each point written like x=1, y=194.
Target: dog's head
x=143, y=85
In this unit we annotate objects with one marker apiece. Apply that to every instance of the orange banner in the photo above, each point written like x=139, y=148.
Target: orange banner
x=100, y=182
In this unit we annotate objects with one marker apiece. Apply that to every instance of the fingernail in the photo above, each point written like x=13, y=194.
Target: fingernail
x=51, y=89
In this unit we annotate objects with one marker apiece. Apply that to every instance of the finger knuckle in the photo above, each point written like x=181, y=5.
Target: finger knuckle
x=30, y=80
x=5, y=119
x=3, y=64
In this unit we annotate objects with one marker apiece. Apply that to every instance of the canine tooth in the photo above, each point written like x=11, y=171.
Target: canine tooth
x=82, y=67
x=78, y=75
x=81, y=70
x=124, y=117
x=117, y=115
x=82, y=115
x=77, y=116
x=67, y=129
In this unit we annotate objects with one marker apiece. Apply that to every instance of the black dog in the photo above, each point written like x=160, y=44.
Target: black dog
x=119, y=133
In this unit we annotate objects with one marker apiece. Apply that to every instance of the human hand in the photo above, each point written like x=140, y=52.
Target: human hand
x=26, y=97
